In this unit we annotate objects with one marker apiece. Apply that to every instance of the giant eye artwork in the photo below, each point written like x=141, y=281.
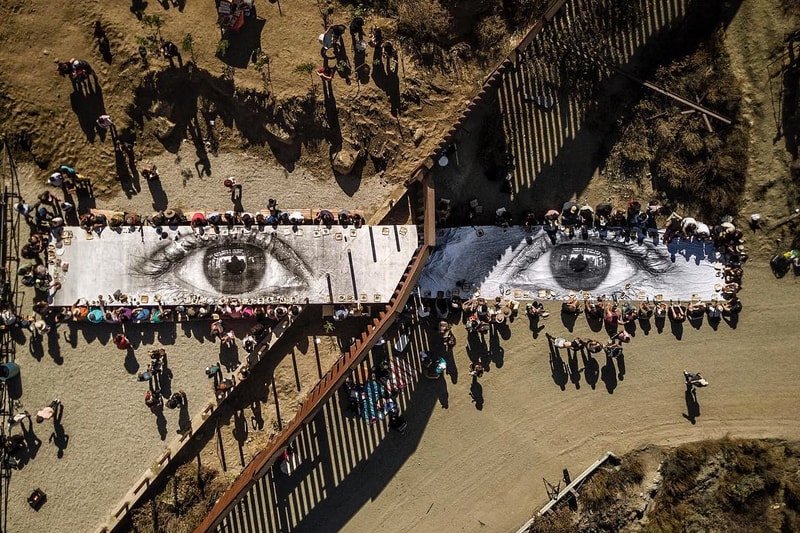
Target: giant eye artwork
x=177, y=266
x=254, y=264
x=527, y=264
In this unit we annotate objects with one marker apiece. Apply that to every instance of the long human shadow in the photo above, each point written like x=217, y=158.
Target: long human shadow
x=591, y=368
x=344, y=461
x=692, y=405
x=558, y=369
x=244, y=42
x=88, y=104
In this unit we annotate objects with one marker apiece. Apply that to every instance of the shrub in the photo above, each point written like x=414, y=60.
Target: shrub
x=558, y=521
x=222, y=47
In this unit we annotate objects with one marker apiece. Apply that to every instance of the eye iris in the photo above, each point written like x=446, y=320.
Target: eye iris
x=579, y=266
x=234, y=268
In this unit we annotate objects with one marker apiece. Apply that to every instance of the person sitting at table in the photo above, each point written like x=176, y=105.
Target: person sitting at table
x=535, y=310
x=140, y=314
x=645, y=311
x=696, y=311
x=571, y=306
x=611, y=316
x=677, y=313
x=594, y=310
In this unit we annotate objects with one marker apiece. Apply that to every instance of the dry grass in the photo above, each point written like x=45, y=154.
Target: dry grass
x=728, y=485
x=606, y=485
x=701, y=169
x=559, y=521
x=181, y=504
x=430, y=29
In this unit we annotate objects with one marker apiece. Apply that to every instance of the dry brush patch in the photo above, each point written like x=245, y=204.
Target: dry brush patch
x=736, y=485
x=182, y=502
x=728, y=484
x=698, y=168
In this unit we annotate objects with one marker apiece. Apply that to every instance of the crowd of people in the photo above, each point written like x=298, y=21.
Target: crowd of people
x=375, y=400
x=199, y=220
x=334, y=54
x=633, y=222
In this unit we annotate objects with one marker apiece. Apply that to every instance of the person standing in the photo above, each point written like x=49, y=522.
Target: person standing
x=178, y=399
x=48, y=412
x=357, y=34
x=105, y=122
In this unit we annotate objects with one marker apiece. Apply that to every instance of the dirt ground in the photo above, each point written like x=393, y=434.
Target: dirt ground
x=468, y=469
x=214, y=106
x=528, y=428
x=490, y=477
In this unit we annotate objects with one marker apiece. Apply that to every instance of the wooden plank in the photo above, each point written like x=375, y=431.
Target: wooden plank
x=430, y=211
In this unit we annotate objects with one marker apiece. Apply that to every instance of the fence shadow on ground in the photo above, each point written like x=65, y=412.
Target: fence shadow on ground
x=345, y=461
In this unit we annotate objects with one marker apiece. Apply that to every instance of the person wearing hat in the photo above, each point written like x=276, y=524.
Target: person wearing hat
x=39, y=327
x=23, y=209
x=55, y=179
x=340, y=313
x=132, y=219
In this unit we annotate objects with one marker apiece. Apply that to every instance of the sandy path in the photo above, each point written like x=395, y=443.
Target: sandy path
x=113, y=436
x=486, y=467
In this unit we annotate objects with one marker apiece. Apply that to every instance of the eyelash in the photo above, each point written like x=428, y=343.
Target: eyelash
x=542, y=245
x=160, y=262
x=651, y=260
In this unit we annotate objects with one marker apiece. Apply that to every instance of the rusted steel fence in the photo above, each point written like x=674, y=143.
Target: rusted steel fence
x=490, y=84
x=321, y=392
x=336, y=375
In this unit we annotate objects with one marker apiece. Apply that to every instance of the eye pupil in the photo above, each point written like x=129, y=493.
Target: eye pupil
x=578, y=263
x=234, y=268
x=580, y=266
x=235, y=265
